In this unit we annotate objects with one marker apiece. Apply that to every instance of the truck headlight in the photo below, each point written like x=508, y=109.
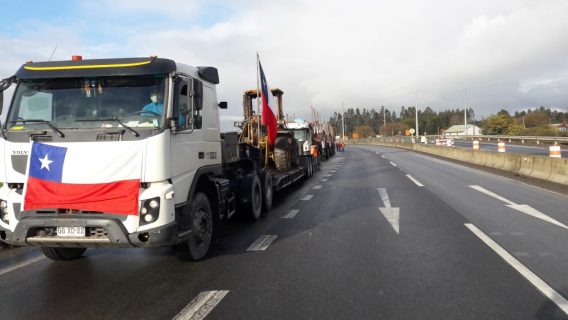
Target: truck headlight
x=4, y=211
x=149, y=211
x=306, y=146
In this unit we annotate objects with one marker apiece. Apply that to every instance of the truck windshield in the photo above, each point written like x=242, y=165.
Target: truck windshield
x=301, y=135
x=82, y=103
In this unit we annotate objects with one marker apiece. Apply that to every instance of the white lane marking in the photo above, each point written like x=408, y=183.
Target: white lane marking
x=200, y=307
x=544, y=288
x=492, y=194
x=376, y=152
x=526, y=209
x=521, y=254
x=317, y=186
x=332, y=171
x=327, y=175
x=414, y=180
x=393, y=164
x=21, y=264
x=291, y=214
x=391, y=214
x=535, y=213
x=307, y=197
x=323, y=180
x=383, y=157
x=262, y=242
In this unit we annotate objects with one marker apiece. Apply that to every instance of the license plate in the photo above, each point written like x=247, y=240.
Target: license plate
x=70, y=231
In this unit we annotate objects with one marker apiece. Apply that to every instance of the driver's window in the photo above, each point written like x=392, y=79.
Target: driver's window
x=37, y=106
x=181, y=105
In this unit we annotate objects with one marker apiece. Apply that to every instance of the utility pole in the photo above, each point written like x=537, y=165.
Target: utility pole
x=384, y=120
x=416, y=115
x=465, y=112
x=343, y=122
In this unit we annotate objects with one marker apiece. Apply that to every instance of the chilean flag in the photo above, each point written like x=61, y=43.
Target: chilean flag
x=104, y=178
x=269, y=109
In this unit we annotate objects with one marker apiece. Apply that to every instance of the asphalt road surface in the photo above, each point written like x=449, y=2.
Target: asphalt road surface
x=512, y=148
x=378, y=233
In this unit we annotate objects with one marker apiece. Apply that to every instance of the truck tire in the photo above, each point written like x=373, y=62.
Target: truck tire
x=198, y=243
x=267, y=191
x=281, y=160
x=63, y=254
x=250, y=197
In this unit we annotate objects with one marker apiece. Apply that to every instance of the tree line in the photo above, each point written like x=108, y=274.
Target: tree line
x=370, y=122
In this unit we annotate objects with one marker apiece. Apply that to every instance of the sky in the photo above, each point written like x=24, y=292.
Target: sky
x=333, y=54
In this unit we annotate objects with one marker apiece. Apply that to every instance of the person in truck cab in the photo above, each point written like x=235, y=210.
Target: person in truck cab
x=156, y=107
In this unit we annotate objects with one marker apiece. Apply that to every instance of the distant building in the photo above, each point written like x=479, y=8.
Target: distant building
x=458, y=130
x=562, y=127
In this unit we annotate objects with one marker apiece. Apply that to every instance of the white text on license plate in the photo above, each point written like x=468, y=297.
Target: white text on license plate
x=70, y=231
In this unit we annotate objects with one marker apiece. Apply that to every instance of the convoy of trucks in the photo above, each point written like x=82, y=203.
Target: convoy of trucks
x=128, y=153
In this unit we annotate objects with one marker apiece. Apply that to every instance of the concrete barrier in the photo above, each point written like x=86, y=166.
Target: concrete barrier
x=540, y=167
x=526, y=165
x=559, y=171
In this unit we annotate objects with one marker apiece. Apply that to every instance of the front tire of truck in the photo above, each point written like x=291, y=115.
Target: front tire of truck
x=63, y=254
x=197, y=246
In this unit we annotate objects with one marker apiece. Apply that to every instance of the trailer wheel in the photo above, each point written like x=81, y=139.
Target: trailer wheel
x=267, y=191
x=197, y=246
x=63, y=254
x=250, y=197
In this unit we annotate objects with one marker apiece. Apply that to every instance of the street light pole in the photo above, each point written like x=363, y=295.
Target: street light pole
x=416, y=115
x=343, y=122
x=465, y=111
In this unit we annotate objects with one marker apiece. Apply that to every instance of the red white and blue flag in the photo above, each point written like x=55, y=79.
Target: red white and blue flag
x=269, y=108
x=84, y=177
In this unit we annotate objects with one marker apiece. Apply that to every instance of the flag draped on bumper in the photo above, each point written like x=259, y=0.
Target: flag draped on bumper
x=80, y=177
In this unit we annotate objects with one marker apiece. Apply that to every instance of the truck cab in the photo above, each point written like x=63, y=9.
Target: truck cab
x=150, y=121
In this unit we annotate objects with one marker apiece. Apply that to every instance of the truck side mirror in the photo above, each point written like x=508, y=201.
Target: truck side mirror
x=198, y=94
x=197, y=121
x=223, y=105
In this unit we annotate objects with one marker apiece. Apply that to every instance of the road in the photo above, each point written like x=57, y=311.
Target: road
x=378, y=233
x=512, y=148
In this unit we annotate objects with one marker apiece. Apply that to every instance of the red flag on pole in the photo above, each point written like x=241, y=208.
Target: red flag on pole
x=269, y=109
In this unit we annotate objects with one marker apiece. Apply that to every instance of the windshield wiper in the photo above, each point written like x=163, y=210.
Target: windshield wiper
x=49, y=124
x=114, y=118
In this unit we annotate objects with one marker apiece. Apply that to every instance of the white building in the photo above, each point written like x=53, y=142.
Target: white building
x=458, y=130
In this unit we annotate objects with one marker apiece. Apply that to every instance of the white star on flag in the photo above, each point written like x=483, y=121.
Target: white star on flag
x=45, y=162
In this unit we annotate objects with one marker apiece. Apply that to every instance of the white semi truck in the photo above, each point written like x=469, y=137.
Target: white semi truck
x=121, y=153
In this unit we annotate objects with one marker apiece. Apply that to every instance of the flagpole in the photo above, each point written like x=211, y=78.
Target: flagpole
x=258, y=97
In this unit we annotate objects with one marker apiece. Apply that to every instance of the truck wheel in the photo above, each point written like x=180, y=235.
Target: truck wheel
x=281, y=160
x=63, y=254
x=311, y=166
x=197, y=246
x=267, y=191
x=251, y=197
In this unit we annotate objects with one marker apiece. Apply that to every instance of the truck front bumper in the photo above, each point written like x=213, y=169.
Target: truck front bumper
x=99, y=232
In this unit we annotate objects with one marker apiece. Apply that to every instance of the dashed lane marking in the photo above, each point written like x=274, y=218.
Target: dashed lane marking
x=323, y=180
x=383, y=157
x=393, y=164
x=542, y=286
x=291, y=214
x=414, y=180
x=317, y=186
x=200, y=307
x=262, y=242
x=307, y=197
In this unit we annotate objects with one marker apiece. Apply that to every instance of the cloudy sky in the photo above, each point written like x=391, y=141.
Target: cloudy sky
x=510, y=54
